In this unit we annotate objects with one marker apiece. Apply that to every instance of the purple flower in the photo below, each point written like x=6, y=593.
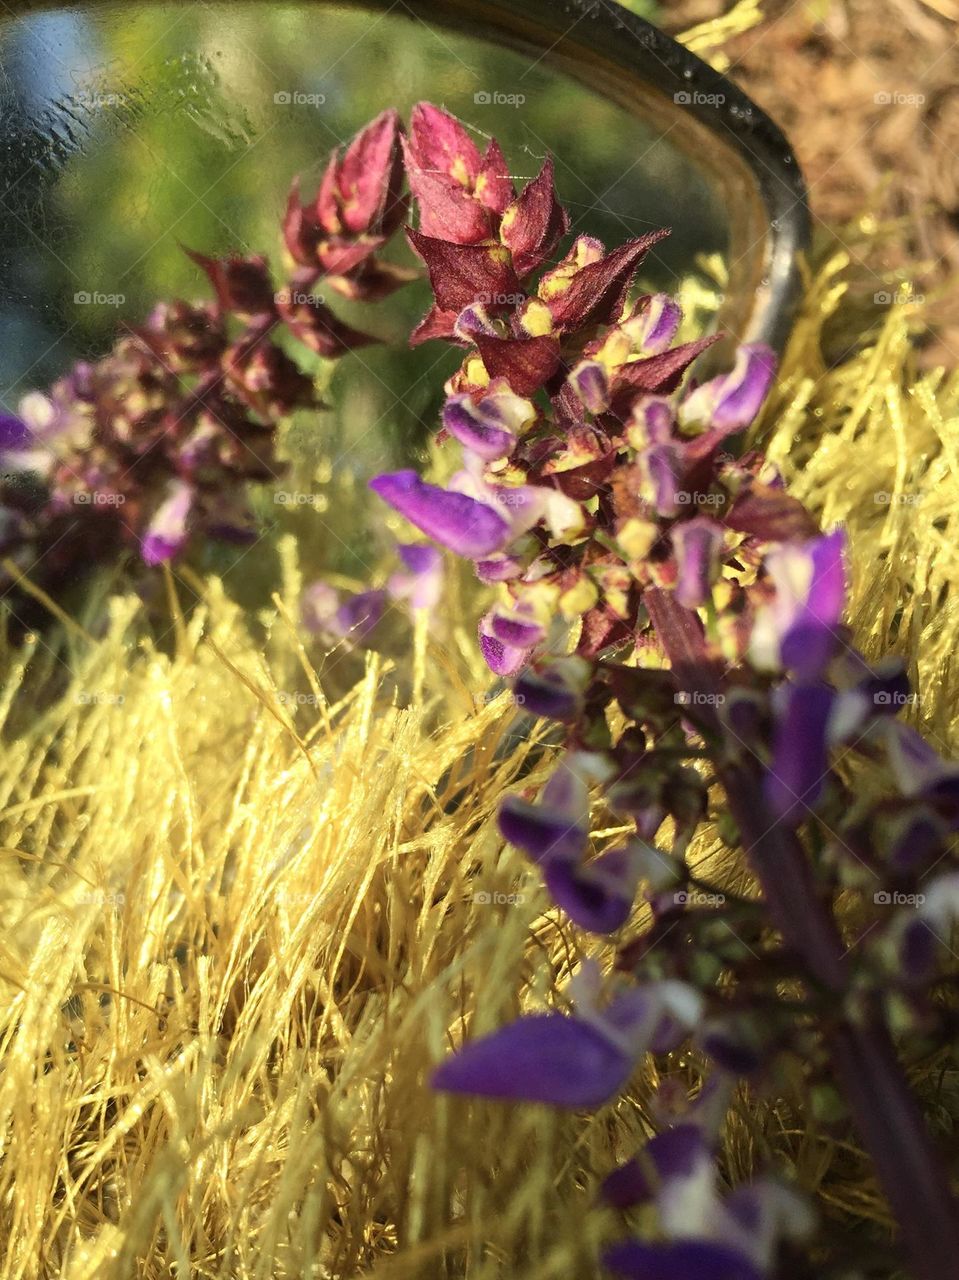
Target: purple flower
x=580, y=1061
x=657, y=324
x=545, y=1057
x=590, y=381
x=697, y=545
x=798, y=630
x=359, y=614
x=678, y=1260
x=421, y=580
x=468, y=527
x=918, y=769
x=660, y=466
x=799, y=765
x=556, y=827
x=326, y=614
x=597, y=895
x=556, y=691
x=517, y=627
x=732, y=400
x=14, y=433
x=489, y=426
x=167, y=531
x=502, y=658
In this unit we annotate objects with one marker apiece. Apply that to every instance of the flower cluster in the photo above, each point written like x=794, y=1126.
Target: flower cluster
x=656, y=594
x=150, y=444
x=679, y=616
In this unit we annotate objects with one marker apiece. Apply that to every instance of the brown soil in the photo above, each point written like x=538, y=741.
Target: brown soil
x=868, y=92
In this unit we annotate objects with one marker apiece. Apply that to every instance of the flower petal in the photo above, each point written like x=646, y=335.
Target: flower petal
x=470, y=528
x=799, y=764
x=502, y=658
x=599, y=895
x=733, y=400
x=697, y=545
x=167, y=531
x=541, y=1058
x=679, y=1260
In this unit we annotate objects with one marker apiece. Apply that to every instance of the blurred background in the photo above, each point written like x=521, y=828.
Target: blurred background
x=130, y=131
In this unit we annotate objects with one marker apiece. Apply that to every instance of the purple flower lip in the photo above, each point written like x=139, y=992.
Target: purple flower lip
x=14, y=432
x=590, y=382
x=515, y=631
x=799, y=766
x=599, y=895
x=478, y=427
x=468, y=527
x=799, y=630
x=503, y=657
x=660, y=324
x=421, y=579
x=542, y=832
x=697, y=544
x=167, y=531
x=547, y=693
x=733, y=400
x=679, y=1260
x=546, y=1057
